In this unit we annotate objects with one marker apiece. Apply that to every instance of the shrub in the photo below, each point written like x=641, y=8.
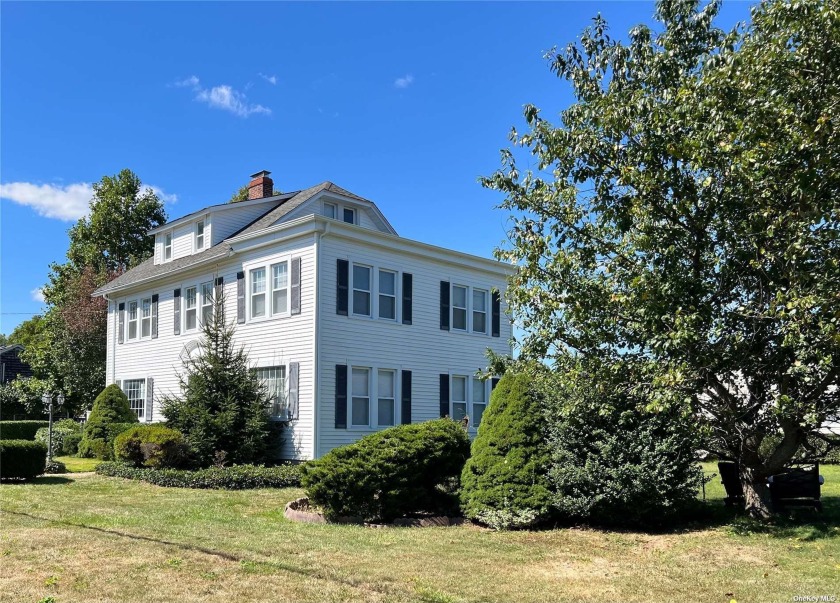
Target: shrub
x=110, y=408
x=504, y=482
x=398, y=471
x=70, y=445
x=61, y=429
x=236, y=477
x=20, y=430
x=612, y=460
x=22, y=459
x=55, y=467
x=154, y=446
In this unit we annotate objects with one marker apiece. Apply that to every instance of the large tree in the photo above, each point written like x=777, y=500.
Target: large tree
x=683, y=214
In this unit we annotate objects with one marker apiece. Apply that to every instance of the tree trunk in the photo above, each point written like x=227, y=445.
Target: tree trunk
x=756, y=495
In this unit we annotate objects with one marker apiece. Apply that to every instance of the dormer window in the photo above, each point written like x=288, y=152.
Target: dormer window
x=329, y=210
x=199, y=235
x=349, y=215
x=167, y=247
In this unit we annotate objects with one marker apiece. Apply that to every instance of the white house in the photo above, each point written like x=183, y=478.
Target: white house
x=352, y=327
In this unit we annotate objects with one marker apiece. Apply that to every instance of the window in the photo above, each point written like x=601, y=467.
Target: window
x=199, y=234
x=387, y=294
x=273, y=379
x=459, y=398
x=479, y=401
x=146, y=317
x=360, y=397
x=279, y=288
x=167, y=246
x=329, y=210
x=132, y=320
x=386, y=397
x=206, y=303
x=361, y=290
x=349, y=215
x=459, y=308
x=135, y=391
x=479, y=311
x=257, y=292
x=190, y=308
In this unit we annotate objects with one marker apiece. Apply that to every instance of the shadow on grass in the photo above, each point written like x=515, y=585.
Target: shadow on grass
x=44, y=480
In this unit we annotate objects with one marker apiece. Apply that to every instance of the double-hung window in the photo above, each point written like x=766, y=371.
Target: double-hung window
x=146, y=317
x=257, y=292
x=190, y=308
x=361, y=290
x=459, y=308
x=360, y=397
x=386, y=397
x=479, y=400
x=459, y=397
x=479, y=311
x=273, y=379
x=167, y=247
x=206, y=303
x=387, y=294
x=132, y=320
x=135, y=391
x=199, y=235
x=329, y=210
x=279, y=288
x=349, y=215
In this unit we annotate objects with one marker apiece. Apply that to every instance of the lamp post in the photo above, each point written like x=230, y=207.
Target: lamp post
x=47, y=399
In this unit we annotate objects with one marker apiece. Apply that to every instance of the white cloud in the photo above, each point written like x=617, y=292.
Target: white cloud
x=190, y=82
x=271, y=79
x=68, y=203
x=404, y=82
x=37, y=295
x=224, y=97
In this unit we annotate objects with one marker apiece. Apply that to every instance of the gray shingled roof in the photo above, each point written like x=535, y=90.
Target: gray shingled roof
x=148, y=269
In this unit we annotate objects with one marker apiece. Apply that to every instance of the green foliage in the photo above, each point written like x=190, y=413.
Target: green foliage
x=70, y=445
x=223, y=406
x=613, y=462
x=824, y=448
x=103, y=448
x=236, y=477
x=394, y=472
x=20, y=430
x=55, y=467
x=21, y=397
x=61, y=429
x=504, y=481
x=684, y=209
x=22, y=459
x=111, y=411
x=155, y=446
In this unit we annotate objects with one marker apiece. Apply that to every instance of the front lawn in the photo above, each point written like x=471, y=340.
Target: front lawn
x=76, y=464
x=91, y=538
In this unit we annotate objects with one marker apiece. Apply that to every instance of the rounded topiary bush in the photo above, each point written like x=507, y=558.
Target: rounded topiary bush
x=504, y=482
x=155, y=446
x=110, y=408
x=399, y=471
x=22, y=459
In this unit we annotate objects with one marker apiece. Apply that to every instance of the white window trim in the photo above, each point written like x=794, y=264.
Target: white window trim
x=128, y=320
x=267, y=263
x=171, y=235
x=375, y=405
x=350, y=395
x=285, y=391
x=374, y=293
x=270, y=289
x=266, y=307
x=334, y=207
x=373, y=396
x=355, y=211
x=185, y=329
x=395, y=295
x=204, y=234
x=487, y=384
x=369, y=291
x=488, y=309
x=145, y=380
x=150, y=318
x=465, y=308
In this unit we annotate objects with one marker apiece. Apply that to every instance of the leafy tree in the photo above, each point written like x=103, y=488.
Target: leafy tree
x=224, y=407
x=683, y=213
x=504, y=481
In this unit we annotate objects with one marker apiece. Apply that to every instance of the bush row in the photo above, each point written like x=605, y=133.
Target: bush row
x=103, y=448
x=236, y=477
x=65, y=437
x=22, y=459
x=20, y=430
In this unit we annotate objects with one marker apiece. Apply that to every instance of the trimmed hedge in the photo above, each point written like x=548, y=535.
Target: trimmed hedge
x=236, y=477
x=22, y=459
x=20, y=430
x=99, y=448
x=155, y=446
x=396, y=472
x=61, y=429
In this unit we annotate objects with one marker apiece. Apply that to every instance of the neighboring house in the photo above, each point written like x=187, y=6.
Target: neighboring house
x=11, y=366
x=351, y=327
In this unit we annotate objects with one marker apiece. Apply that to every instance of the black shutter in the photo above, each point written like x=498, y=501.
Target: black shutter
x=177, y=311
x=343, y=290
x=405, y=396
x=407, y=291
x=497, y=313
x=493, y=383
x=294, y=379
x=155, y=316
x=444, y=305
x=150, y=398
x=121, y=323
x=341, y=396
x=444, y=394
x=240, y=297
x=295, y=286
x=220, y=287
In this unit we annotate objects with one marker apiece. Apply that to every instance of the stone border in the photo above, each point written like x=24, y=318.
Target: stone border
x=294, y=513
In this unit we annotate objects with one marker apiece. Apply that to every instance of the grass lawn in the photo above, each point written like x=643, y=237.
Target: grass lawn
x=77, y=465
x=90, y=538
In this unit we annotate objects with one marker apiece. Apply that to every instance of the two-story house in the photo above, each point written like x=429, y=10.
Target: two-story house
x=351, y=327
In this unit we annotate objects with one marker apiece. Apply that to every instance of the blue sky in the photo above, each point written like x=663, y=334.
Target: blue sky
x=406, y=104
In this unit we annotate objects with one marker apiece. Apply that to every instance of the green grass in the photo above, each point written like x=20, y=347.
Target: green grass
x=77, y=465
x=90, y=538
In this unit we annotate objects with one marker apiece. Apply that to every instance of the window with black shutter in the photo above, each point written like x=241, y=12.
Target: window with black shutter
x=343, y=287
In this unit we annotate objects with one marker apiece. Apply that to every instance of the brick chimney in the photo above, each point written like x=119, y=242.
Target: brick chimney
x=260, y=186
